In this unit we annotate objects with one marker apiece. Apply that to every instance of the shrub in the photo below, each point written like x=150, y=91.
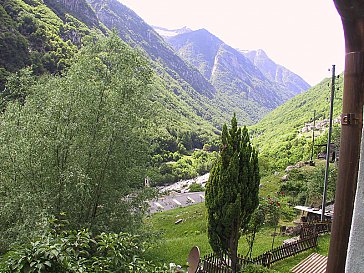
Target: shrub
x=79, y=251
x=194, y=187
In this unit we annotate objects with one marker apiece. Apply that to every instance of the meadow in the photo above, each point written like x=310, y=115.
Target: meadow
x=176, y=240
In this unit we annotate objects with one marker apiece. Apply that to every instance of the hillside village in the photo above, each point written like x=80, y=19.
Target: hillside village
x=319, y=126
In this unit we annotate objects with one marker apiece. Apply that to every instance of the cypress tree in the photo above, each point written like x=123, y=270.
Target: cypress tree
x=232, y=191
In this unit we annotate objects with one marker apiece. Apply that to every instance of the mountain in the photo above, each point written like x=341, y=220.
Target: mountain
x=276, y=72
x=45, y=36
x=134, y=31
x=77, y=8
x=214, y=82
x=195, y=88
x=216, y=106
x=240, y=83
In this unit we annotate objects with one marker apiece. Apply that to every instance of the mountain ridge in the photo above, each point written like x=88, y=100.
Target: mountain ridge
x=233, y=74
x=133, y=30
x=221, y=82
x=276, y=72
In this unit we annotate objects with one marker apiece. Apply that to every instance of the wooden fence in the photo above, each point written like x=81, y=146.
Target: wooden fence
x=308, y=239
x=285, y=251
x=214, y=264
x=312, y=228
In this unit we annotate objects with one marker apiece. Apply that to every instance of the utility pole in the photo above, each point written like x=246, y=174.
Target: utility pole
x=323, y=207
x=352, y=17
x=313, y=137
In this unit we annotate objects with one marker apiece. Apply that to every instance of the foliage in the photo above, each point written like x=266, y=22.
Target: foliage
x=13, y=45
x=270, y=211
x=52, y=32
x=32, y=34
x=78, y=145
x=195, y=187
x=232, y=190
x=179, y=166
x=79, y=251
x=305, y=185
x=270, y=207
x=279, y=136
x=321, y=140
x=17, y=87
x=255, y=224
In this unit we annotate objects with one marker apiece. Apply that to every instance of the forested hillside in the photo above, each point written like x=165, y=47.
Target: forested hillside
x=46, y=36
x=51, y=36
x=33, y=35
x=281, y=137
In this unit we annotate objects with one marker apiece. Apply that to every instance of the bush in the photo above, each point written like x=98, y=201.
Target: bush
x=194, y=187
x=79, y=251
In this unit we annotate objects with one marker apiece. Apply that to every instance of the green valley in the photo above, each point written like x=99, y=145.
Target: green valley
x=99, y=113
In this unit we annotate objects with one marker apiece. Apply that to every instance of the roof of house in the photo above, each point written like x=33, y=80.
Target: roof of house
x=313, y=263
x=329, y=210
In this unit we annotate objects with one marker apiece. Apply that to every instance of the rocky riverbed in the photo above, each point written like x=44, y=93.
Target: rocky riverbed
x=183, y=185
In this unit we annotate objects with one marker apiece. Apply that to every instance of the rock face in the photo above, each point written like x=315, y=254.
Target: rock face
x=199, y=48
x=276, y=72
x=77, y=8
x=224, y=77
x=133, y=30
x=240, y=80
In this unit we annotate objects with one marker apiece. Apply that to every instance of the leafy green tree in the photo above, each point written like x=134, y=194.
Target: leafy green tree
x=232, y=191
x=305, y=185
x=78, y=145
x=17, y=87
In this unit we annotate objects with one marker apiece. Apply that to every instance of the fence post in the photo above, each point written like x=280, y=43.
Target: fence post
x=314, y=228
x=269, y=259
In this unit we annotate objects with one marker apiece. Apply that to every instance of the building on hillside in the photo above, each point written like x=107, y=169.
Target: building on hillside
x=334, y=152
x=310, y=214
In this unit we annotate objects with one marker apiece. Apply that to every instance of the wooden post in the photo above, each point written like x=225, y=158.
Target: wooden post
x=352, y=15
x=269, y=259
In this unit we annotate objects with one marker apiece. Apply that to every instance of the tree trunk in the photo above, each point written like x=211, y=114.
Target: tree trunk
x=233, y=246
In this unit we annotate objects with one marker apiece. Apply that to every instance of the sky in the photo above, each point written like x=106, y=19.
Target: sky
x=305, y=36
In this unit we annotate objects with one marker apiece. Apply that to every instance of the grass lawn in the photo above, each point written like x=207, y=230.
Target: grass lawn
x=176, y=240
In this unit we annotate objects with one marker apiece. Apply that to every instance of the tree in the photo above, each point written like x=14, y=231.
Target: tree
x=78, y=144
x=232, y=191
